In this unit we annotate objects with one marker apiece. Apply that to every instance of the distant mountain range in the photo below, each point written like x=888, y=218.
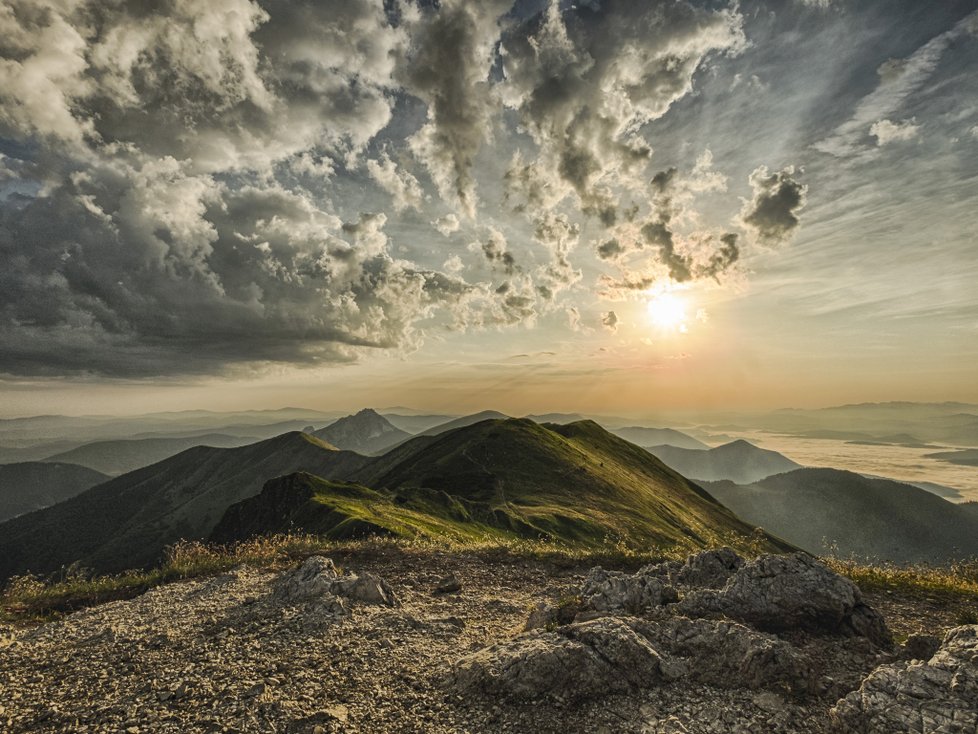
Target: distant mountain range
x=738, y=461
x=827, y=510
x=641, y=436
x=127, y=521
x=575, y=484
x=121, y=456
x=366, y=432
x=964, y=457
x=30, y=486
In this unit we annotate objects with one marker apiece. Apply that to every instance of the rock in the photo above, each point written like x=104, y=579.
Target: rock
x=710, y=569
x=317, y=580
x=791, y=592
x=939, y=695
x=769, y=702
x=366, y=588
x=449, y=584
x=314, y=578
x=729, y=655
x=614, y=591
x=920, y=647
x=577, y=661
x=338, y=712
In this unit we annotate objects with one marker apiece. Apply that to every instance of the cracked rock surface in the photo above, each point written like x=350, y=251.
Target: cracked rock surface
x=359, y=643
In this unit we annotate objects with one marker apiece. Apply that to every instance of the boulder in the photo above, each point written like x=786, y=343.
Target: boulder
x=317, y=580
x=615, y=591
x=937, y=696
x=788, y=592
x=577, y=661
x=613, y=654
x=709, y=569
x=730, y=655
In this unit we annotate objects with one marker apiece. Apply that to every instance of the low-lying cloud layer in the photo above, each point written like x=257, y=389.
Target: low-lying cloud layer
x=175, y=178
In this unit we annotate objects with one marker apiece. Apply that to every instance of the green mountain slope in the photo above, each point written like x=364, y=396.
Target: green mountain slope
x=126, y=522
x=125, y=455
x=822, y=510
x=32, y=485
x=576, y=483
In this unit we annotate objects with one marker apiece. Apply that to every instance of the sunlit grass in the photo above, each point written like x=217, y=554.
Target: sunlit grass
x=29, y=599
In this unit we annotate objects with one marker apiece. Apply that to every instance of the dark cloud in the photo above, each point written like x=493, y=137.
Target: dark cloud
x=772, y=213
x=447, y=66
x=609, y=319
x=495, y=250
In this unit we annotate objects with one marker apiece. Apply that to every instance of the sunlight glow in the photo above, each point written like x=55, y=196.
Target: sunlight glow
x=668, y=312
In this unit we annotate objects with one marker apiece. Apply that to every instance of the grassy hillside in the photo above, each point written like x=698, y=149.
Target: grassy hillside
x=575, y=483
x=31, y=485
x=738, y=461
x=841, y=513
x=125, y=455
x=126, y=522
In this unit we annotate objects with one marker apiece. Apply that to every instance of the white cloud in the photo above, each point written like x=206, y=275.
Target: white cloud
x=404, y=188
x=886, y=131
x=447, y=224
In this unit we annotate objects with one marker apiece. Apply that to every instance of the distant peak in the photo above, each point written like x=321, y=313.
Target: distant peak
x=368, y=412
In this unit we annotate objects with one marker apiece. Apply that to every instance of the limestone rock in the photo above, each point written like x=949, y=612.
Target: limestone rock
x=615, y=591
x=577, y=661
x=318, y=580
x=939, y=696
x=791, y=592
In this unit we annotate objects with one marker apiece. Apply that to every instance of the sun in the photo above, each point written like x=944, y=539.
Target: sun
x=668, y=312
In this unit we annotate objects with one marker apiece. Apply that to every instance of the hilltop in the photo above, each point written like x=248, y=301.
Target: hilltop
x=739, y=461
x=574, y=483
x=366, y=432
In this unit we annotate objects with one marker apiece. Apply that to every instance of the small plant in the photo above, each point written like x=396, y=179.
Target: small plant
x=967, y=616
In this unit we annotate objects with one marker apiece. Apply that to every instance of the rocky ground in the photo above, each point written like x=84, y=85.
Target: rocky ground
x=426, y=641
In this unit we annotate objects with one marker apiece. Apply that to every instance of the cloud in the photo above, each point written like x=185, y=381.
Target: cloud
x=899, y=78
x=974, y=132
x=447, y=66
x=223, y=85
x=586, y=80
x=886, y=131
x=496, y=252
x=404, y=188
x=447, y=224
x=771, y=215
x=609, y=319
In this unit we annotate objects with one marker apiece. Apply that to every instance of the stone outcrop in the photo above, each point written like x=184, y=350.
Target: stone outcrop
x=791, y=592
x=936, y=696
x=318, y=580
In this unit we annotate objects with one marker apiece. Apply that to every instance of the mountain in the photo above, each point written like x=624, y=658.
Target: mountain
x=367, y=432
x=465, y=420
x=415, y=423
x=119, y=457
x=556, y=418
x=738, y=461
x=641, y=436
x=827, y=510
x=573, y=483
x=30, y=486
x=127, y=521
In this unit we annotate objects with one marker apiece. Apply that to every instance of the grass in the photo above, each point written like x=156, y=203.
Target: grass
x=958, y=579
x=28, y=600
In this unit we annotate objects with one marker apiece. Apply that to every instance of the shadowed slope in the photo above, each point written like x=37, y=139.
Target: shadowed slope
x=825, y=510
x=126, y=522
x=32, y=485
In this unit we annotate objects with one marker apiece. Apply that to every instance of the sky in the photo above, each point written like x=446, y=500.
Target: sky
x=619, y=207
